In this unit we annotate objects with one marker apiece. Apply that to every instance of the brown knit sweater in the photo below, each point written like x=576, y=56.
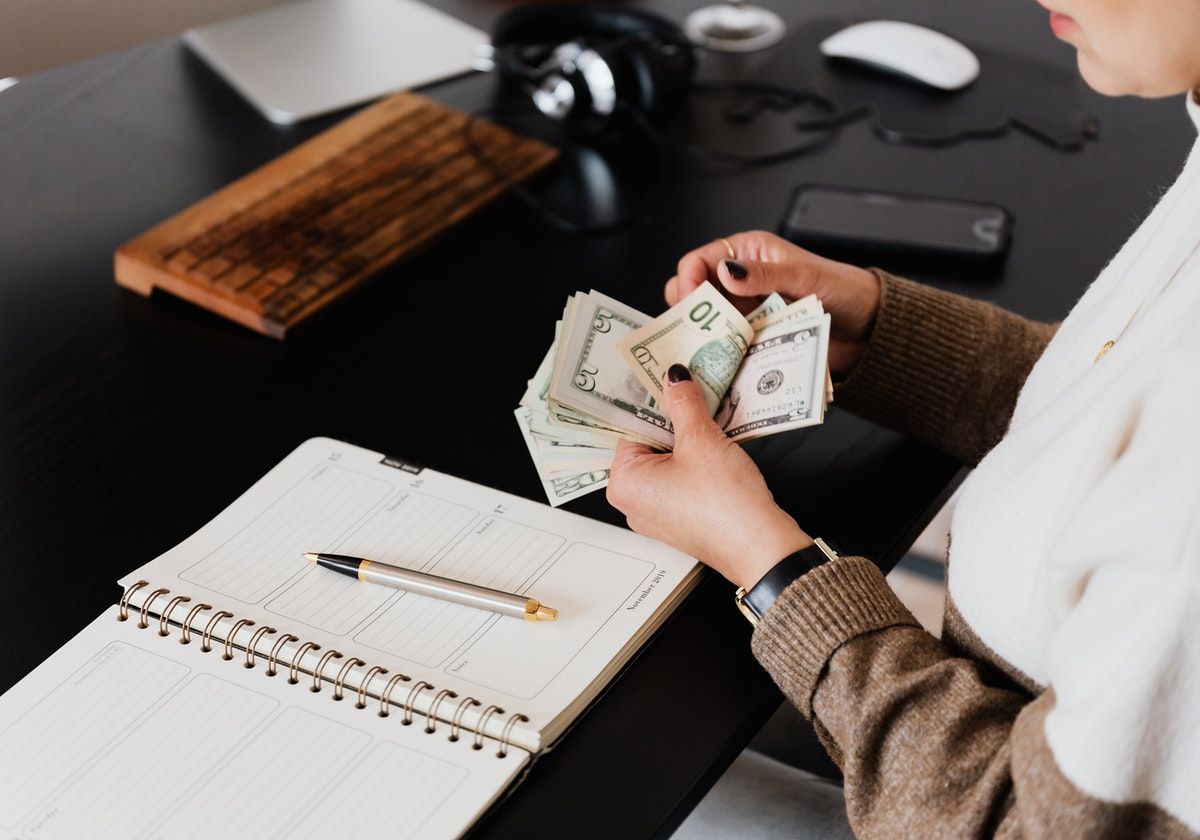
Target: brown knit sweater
x=935, y=738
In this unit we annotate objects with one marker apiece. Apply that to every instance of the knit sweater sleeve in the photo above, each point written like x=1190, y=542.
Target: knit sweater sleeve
x=929, y=748
x=932, y=745
x=943, y=368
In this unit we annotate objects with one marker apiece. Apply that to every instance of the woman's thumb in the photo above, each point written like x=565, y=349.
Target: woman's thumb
x=685, y=405
x=748, y=278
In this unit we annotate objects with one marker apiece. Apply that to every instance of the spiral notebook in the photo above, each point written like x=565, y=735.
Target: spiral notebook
x=236, y=690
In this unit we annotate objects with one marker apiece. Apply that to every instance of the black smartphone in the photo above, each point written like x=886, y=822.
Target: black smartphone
x=844, y=222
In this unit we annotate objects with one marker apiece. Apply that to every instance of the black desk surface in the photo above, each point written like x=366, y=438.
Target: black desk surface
x=125, y=423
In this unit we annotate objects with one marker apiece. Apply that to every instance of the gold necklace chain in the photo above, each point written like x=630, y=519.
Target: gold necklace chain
x=1108, y=345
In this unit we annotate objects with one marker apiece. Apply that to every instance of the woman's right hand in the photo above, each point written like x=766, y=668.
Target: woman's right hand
x=770, y=263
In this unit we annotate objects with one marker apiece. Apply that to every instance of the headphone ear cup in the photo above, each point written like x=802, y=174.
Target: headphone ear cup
x=638, y=72
x=648, y=56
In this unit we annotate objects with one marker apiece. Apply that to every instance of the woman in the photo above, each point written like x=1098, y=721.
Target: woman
x=1064, y=698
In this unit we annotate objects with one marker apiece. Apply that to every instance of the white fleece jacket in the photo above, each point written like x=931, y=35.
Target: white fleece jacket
x=1075, y=550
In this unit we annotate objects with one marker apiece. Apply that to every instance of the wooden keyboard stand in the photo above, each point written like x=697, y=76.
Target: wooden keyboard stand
x=281, y=243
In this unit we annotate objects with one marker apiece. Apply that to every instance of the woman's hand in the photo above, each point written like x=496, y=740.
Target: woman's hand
x=767, y=263
x=707, y=498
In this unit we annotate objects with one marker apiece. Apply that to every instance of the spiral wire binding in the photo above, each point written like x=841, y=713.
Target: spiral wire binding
x=231, y=635
x=273, y=658
x=431, y=715
x=206, y=638
x=408, y=707
x=142, y=623
x=505, y=736
x=318, y=674
x=386, y=697
x=294, y=668
x=477, y=741
x=250, y=648
x=185, y=635
x=123, y=613
x=456, y=721
x=165, y=618
x=340, y=684
x=361, y=702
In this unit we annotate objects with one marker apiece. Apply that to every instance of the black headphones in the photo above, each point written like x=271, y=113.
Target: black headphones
x=584, y=64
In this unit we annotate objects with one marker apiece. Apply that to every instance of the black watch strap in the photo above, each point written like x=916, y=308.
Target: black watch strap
x=755, y=602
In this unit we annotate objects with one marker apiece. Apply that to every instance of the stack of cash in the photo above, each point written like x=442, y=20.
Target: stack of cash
x=602, y=379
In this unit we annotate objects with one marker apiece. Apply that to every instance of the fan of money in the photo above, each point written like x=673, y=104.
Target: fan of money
x=602, y=379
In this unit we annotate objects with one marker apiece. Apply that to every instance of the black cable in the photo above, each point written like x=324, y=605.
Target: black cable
x=756, y=97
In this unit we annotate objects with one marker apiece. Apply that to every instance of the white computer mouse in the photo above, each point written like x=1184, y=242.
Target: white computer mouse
x=907, y=50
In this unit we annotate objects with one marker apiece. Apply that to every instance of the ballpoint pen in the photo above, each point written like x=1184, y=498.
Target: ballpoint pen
x=372, y=571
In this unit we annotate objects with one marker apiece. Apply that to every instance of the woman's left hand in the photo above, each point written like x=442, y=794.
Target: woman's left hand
x=707, y=498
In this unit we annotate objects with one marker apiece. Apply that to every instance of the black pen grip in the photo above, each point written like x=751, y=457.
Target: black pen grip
x=340, y=563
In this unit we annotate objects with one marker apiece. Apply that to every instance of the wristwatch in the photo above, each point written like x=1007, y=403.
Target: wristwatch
x=755, y=602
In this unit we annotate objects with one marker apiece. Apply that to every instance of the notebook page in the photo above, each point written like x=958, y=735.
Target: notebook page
x=125, y=734
x=606, y=582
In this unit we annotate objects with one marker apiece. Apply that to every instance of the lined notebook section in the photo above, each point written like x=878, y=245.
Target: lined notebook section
x=587, y=583
x=408, y=787
x=266, y=786
x=496, y=553
x=185, y=738
x=265, y=554
x=409, y=531
x=59, y=735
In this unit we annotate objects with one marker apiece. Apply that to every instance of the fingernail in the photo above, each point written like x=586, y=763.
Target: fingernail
x=736, y=270
x=678, y=373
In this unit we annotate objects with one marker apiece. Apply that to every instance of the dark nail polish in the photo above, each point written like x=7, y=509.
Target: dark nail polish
x=736, y=270
x=678, y=373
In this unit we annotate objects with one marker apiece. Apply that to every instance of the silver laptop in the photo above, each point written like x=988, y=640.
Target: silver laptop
x=311, y=57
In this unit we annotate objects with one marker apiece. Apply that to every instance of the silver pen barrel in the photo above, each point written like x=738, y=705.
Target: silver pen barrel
x=446, y=589
x=434, y=586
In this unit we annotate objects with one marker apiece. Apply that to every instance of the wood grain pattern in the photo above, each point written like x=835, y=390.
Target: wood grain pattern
x=283, y=242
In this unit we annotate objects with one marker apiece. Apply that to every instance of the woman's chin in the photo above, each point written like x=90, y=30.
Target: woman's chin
x=1109, y=82
x=1100, y=79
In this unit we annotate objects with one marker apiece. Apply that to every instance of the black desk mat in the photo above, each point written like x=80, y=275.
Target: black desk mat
x=795, y=98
